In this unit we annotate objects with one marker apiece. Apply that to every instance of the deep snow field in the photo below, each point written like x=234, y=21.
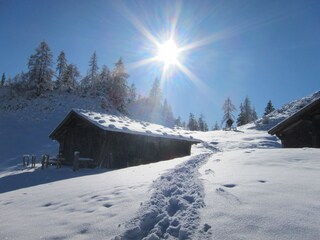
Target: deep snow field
x=235, y=185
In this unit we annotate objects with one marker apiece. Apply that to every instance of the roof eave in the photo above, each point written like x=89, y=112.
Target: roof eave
x=294, y=118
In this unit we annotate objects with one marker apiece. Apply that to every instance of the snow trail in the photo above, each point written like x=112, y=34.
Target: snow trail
x=173, y=209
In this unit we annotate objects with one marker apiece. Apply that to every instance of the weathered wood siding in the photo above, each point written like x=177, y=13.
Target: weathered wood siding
x=304, y=134
x=116, y=149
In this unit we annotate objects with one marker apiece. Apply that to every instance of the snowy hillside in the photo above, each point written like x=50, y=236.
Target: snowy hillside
x=235, y=185
x=26, y=123
x=285, y=111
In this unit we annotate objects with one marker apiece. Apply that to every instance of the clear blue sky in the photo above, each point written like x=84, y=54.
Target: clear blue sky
x=263, y=49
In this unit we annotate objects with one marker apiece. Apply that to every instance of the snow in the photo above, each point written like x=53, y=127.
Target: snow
x=258, y=192
x=126, y=125
x=285, y=111
x=61, y=204
x=235, y=185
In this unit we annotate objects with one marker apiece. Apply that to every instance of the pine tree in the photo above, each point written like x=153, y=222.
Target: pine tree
x=241, y=118
x=192, y=124
x=20, y=83
x=201, y=123
x=155, y=94
x=132, y=96
x=105, y=80
x=40, y=71
x=247, y=114
x=168, y=118
x=93, y=73
x=216, y=127
x=178, y=122
x=61, y=67
x=154, y=103
x=3, y=79
x=269, y=108
x=119, y=91
x=254, y=115
x=69, y=78
x=247, y=109
x=228, y=109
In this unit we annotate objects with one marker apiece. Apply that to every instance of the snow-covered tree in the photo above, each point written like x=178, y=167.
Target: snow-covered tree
x=155, y=94
x=90, y=83
x=119, y=91
x=228, y=109
x=168, y=118
x=93, y=64
x=69, y=78
x=105, y=80
x=132, y=95
x=61, y=67
x=154, y=102
x=269, y=108
x=93, y=73
x=20, y=81
x=40, y=70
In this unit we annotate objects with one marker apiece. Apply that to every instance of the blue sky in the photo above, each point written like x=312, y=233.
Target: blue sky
x=263, y=49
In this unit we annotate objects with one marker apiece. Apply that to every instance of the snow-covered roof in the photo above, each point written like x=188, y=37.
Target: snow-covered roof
x=124, y=124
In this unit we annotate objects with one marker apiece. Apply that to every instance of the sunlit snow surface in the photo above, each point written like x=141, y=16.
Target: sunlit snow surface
x=235, y=185
x=126, y=125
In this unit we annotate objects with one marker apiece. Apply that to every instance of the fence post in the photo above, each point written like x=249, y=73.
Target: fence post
x=76, y=161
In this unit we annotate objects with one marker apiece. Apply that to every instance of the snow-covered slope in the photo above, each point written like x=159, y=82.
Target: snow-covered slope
x=26, y=123
x=235, y=185
x=285, y=111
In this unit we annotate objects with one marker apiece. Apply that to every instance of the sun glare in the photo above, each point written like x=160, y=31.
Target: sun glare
x=168, y=53
x=171, y=55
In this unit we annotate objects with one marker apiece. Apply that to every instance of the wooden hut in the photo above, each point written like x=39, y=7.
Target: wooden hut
x=302, y=129
x=116, y=142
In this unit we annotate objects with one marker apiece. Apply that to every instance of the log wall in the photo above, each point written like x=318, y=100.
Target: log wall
x=116, y=149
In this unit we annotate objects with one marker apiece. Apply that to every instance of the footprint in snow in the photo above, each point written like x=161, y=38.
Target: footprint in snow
x=47, y=204
x=206, y=227
x=209, y=171
x=230, y=185
x=262, y=181
x=227, y=195
x=107, y=205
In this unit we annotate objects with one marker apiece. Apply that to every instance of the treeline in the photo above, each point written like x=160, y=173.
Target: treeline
x=193, y=123
x=247, y=113
x=42, y=78
x=111, y=85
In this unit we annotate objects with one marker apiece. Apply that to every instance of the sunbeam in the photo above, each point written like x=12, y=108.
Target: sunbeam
x=142, y=62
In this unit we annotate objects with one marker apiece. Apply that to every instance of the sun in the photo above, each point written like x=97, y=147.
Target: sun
x=168, y=53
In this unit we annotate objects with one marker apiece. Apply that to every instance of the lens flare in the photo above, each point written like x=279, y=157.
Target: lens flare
x=168, y=53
